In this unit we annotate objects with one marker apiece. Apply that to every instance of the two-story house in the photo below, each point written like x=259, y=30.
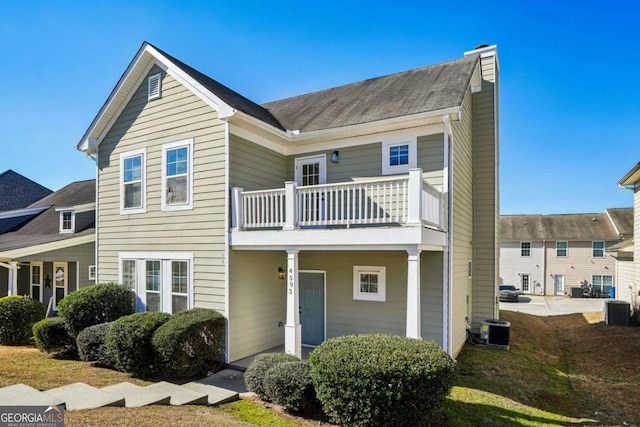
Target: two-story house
x=549, y=254
x=54, y=252
x=369, y=207
x=627, y=253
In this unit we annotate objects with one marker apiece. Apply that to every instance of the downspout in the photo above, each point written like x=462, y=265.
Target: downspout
x=447, y=339
x=544, y=266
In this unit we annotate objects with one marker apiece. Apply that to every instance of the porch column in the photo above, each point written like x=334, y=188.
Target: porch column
x=413, y=294
x=415, y=198
x=290, y=206
x=12, y=286
x=236, y=208
x=292, y=329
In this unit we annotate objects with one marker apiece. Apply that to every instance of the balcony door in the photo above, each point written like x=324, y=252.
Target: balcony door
x=311, y=170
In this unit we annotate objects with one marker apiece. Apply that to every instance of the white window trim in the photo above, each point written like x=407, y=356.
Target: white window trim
x=158, y=77
x=593, y=248
x=165, y=147
x=411, y=141
x=92, y=272
x=66, y=282
x=143, y=176
x=566, y=249
x=141, y=258
x=380, y=296
x=63, y=230
x=31, y=265
x=320, y=159
x=530, y=249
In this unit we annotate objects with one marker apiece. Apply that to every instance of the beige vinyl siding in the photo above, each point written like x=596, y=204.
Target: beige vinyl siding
x=462, y=227
x=83, y=254
x=578, y=266
x=431, y=158
x=626, y=287
x=636, y=232
x=176, y=116
x=486, y=203
x=513, y=265
x=257, y=302
x=254, y=167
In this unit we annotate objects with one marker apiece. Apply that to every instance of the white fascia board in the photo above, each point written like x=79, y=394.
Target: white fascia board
x=78, y=208
x=22, y=212
x=47, y=247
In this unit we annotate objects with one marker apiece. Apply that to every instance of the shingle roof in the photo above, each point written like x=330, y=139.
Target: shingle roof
x=45, y=227
x=410, y=92
x=589, y=226
x=17, y=192
x=623, y=219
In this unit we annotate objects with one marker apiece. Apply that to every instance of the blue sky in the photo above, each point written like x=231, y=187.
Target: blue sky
x=570, y=109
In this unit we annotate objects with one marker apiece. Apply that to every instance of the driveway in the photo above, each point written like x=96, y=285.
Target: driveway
x=553, y=305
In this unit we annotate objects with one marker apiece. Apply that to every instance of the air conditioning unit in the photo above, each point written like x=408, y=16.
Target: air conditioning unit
x=495, y=333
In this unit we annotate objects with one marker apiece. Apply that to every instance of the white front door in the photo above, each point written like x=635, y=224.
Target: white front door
x=311, y=170
x=525, y=283
x=558, y=284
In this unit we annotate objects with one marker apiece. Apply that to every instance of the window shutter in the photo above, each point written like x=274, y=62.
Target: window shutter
x=154, y=86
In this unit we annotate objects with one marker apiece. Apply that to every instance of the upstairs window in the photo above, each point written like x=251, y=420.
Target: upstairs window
x=561, y=249
x=177, y=179
x=598, y=249
x=133, y=173
x=67, y=221
x=399, y=155
x=154, y=86
x=525, y=249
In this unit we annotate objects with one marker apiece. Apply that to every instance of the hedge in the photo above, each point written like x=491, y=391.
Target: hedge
x=289, y=384
x=91, y=344
x=17, y=316
x=381, y=380
x=255, y=374
x=52, y=336
x=191, y=343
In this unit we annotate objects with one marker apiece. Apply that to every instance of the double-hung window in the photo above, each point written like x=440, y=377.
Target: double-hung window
x=525, y=249
x=598, y=249
x=67, y=221
x=562, y=249
x=399, y=155
x=369, y=283
x=177, y=175
x=133, y=182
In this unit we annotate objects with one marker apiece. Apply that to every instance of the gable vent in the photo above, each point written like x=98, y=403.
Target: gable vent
x=154, y=86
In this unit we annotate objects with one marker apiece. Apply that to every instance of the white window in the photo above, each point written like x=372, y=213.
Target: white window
x=525, y=249
x=155, y=86
x=133, y=182
x=67, y=221
x=562, y=249
x=369, y=283
x=36, y=281
x=598, y=249
x=601, y=283
x=92, y=272
x=161, y=281
x=177, y=175
x=399, y=155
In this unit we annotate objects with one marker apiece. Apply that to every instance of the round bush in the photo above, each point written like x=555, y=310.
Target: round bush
x=52, y=336
x=96, y=304
x=91, y=344
x=128, y=343
x=289, y=384
x=191, y=342
x=17, y=316
x=257, y=370
x=381, y=380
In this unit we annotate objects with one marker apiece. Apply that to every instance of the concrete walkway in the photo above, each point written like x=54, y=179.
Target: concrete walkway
x=540, y=305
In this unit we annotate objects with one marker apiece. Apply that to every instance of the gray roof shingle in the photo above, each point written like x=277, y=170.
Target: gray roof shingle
x=623, y=219
x=17, y=192
x=581, y=227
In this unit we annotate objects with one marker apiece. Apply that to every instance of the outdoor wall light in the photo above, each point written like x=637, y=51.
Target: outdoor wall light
x=335, y=157
x=281, y=274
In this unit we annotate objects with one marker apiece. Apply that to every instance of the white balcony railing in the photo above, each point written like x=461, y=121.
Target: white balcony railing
x=405, y=200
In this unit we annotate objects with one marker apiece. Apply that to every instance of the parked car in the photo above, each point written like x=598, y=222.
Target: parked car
x=509, y=293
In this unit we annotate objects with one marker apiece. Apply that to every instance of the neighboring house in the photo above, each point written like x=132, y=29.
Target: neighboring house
x=16, y=194
x=54, y=253
x=628, y=255
x=370, y=207
x=549, y=254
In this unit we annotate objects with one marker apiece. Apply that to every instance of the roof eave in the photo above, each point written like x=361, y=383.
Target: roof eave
x=631, y=178
x=47, y=247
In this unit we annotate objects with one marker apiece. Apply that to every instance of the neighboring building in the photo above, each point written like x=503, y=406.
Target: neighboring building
x=54, y=253
x=549, y=254
x=628, y=255
x=370, y=207
x=16, y=194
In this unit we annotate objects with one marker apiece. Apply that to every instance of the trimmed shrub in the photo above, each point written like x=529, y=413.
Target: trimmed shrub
x=255, y=374
x=17, y=316
x=381, y=380
x=128, y=343
x=289, y=384
x=52, y=336
x=91, y=344
x=191, y=342
x=96, y=304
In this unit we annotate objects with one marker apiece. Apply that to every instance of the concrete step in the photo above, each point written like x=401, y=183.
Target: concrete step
x=180, y=395
x=215, y=395
x=23, y=395
x=136, y=396
x=82, y=396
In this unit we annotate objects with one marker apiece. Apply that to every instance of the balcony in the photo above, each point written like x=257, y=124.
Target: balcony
x=389, y=211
